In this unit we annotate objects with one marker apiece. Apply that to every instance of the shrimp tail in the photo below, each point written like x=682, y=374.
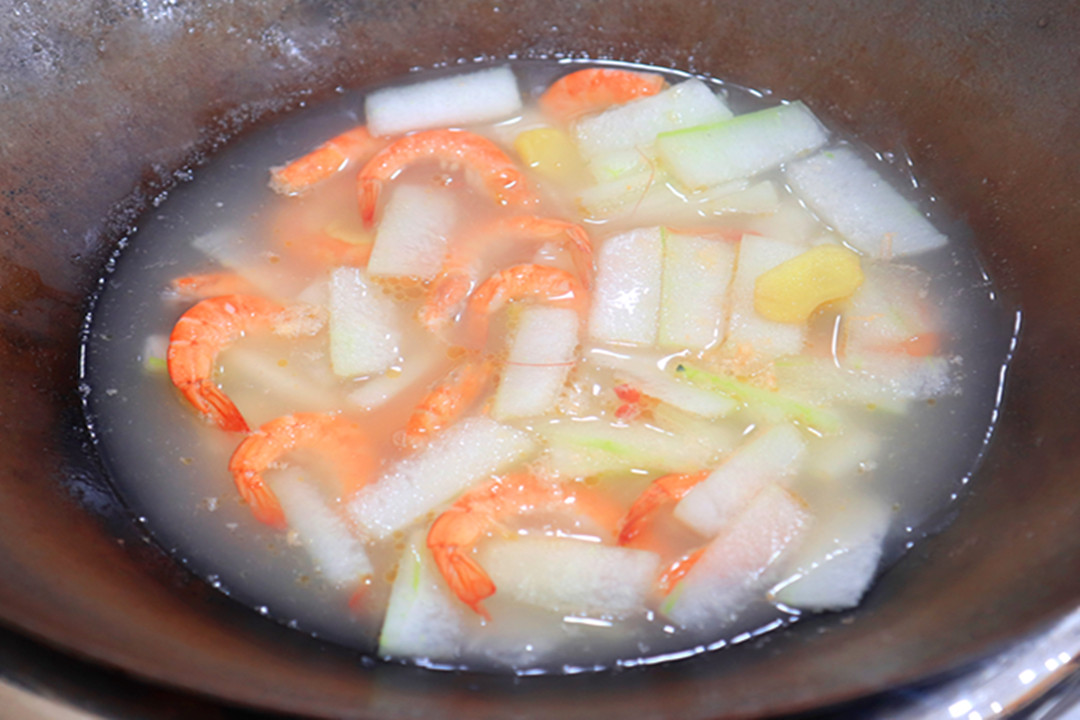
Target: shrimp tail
x=368, y=191
x=208, y=399
x=465, y=577
x=262, y=501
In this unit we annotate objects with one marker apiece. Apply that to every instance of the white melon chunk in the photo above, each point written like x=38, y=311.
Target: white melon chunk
x=770, y=456
x=645, y=374
x=456, y=459
x=424, y=621
x=861, y=205
x=593, y=447
x=638, y=122
x=542, y=351
x=882, y=379
x=746, y=327
x=377, y=391
x=626, y=299
x=761, y=198
x=739, y=565
x=364, y=322
x=336, y=552
x=834, y=565
x=697, y=273
x=476, y=97
x=571, y=576
x=889, y=311
x=842, y=457
x=412, y=237
x=710, y=154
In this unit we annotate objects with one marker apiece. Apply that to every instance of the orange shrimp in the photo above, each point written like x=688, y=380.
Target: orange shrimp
x=500, y=175
x=457, y=277
x=456, y=532
x=341, y=440
x=199, y=335
x=446, y=401
x=322, y=162
x=594, y=89
x=664, y=490
x=326, y=249
x=677, y=570
x=521, y=281
x=212, y=284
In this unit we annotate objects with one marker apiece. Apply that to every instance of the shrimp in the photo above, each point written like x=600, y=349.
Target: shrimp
x=341, y=440
x=199, y=335
x=451, y=397
x=663, y=490
x=677, y=570
x=212, y=284
x=322, y=162
x=517, y=282
x=328, y=250
x=594, y=89
x=456, y=278
x=456, y=532
x=500, y=175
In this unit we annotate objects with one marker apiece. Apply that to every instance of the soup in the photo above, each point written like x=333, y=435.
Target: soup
x=544, y=368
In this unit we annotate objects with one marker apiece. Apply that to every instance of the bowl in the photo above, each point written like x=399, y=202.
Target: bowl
x=106, y=105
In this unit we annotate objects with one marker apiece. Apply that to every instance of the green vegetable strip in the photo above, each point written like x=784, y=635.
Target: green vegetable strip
x=814, y=417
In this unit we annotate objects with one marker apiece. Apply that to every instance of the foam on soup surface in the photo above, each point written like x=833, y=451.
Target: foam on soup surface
x=544, y=367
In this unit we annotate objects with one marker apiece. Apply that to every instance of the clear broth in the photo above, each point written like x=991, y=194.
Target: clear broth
x=171, y=468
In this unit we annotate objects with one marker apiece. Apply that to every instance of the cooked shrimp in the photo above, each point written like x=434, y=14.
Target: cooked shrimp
x=199, y=335
x=340, y=440
x=322, y=162
x=677, y=570
x=446, y=401
x=456, y=532
x=499, y=174
x=457, y=279
x=664, y=490
x=594, y=89
x=521, y=281
x=212, y=284
x=330, y=251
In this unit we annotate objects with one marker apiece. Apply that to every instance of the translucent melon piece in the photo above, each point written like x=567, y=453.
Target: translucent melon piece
x=644, y=373
x=637, y=123
x=474, y=97
x=594, y=447
x=740, y=564
x=742, y=146
x=413, y=234
x=746, y=328
x=758, y=199
x=835, y=564
x=542, y=352
x=868, y=379
x=626, y=299
x=869, y=212
x=769, y=456
x=891, y=311
x=457, y=458
x=424, y=621
x=378, y=391
x=336, y=552
x=571, y=576
x=697, y=273
x=364, y=334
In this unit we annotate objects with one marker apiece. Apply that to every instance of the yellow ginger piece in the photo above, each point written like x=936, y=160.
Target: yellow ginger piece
x=791, y=291
x=549, y=151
